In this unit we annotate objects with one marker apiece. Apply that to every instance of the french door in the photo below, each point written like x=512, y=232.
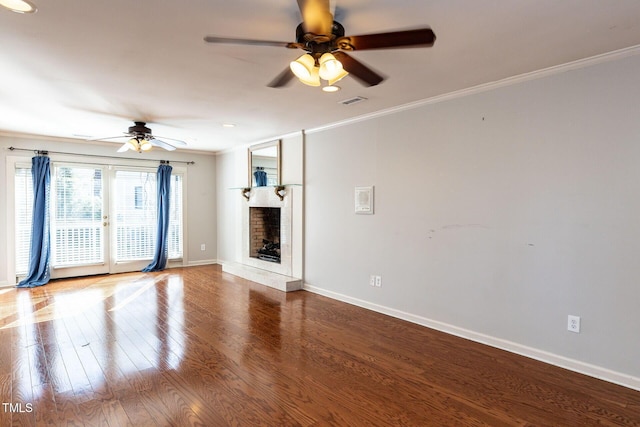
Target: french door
x=102, y=218
x=78, y=214
x=133, y=223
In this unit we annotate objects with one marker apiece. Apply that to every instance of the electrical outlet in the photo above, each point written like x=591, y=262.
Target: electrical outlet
x=202, y=247
x=573, y=324
x=372, y=280
x=378, y=281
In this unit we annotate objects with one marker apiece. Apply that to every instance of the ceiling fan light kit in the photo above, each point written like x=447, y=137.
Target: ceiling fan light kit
x=136, y=144
x=325, y=44
x=19, y=6
x=309, y=70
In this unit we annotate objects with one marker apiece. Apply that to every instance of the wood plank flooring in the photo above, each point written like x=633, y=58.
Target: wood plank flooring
x=198, y=347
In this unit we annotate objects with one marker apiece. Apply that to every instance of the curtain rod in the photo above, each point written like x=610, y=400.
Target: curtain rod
x=46, y=152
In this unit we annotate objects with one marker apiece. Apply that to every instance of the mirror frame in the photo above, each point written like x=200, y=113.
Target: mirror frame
x=257, y=147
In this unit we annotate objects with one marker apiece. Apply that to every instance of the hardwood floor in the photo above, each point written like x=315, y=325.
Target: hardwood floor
x=196, y=346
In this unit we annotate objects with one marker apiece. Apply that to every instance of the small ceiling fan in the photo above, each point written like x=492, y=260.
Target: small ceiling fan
x=141, y=139
x=325, y=44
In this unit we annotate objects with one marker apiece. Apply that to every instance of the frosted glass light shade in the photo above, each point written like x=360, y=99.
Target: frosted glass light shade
x=145, y=145
x=303, y=66
x=342, y=74
x=330, y=67
x=313, y=79
x=133, y=144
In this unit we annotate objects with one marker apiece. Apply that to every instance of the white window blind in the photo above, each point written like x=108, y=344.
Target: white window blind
x=135, y=215
x=23, y=210
x=77, y=232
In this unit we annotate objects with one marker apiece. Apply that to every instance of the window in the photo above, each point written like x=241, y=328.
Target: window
x=23, y=209
x=80, y=221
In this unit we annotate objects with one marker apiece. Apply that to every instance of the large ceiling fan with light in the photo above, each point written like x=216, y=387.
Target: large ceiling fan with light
x=326, y=46
x=141, y=139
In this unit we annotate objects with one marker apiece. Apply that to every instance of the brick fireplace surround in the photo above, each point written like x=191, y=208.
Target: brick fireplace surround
x=264, y=225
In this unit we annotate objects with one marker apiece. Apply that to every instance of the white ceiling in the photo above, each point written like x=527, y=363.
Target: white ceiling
x=78, y=68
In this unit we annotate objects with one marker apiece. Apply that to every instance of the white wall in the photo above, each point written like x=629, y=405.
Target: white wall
x=496, y=215
x=231, y=176
x=200, y=192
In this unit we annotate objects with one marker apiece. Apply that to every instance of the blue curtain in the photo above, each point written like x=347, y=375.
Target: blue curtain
x=261, y=178
x=161, y=250
x=39, y=252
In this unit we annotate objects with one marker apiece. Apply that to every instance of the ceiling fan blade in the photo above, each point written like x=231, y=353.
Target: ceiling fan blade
x=316, y=15
x=357, y=69
x=282, y=79
x=230, y=40
x=423, y=37
x=157, y=143
x=173, y=140
x=107, y=138
x=125, y=147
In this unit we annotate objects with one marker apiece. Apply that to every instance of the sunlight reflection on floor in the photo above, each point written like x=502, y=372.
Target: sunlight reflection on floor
x=71, y=303
x=70, y=337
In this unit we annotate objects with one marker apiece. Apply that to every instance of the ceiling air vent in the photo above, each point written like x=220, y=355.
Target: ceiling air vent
x=353, y=100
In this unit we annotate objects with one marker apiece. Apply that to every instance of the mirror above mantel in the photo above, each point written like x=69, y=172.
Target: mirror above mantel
x=264, y=164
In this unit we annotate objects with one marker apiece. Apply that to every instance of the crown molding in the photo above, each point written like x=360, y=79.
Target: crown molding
x=485, y=87
x=243, y=147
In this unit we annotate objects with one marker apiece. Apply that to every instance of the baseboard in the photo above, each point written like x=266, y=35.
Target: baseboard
x=5, y=284
x=202, y=262
x=533, y=353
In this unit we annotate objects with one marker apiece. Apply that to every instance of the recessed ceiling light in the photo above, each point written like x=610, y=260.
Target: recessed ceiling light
x=331, y=88
x=19, y=6
x=228, y=125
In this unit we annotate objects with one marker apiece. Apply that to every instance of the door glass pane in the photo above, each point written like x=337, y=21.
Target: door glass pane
x=76, y=227
x=135, y=215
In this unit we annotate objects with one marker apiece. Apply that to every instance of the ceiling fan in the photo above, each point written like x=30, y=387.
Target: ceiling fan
x=326, y=46
x=141, y=139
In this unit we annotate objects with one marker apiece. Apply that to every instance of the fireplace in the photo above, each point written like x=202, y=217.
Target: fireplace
x=264, y=233
x=266, y=216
